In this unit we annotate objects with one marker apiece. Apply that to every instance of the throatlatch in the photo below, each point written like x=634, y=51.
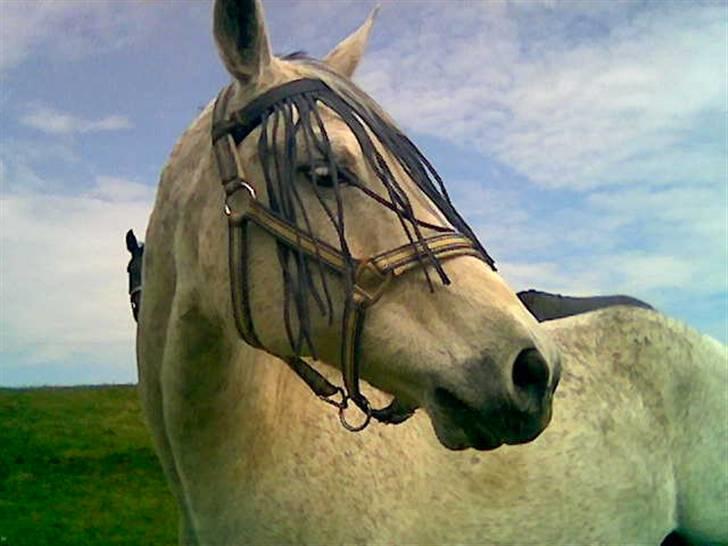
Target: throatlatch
x=292, y=109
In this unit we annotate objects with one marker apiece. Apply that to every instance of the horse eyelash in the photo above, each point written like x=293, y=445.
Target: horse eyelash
x=320, y=174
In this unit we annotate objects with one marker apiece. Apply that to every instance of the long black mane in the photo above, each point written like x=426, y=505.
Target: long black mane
x=296, y=119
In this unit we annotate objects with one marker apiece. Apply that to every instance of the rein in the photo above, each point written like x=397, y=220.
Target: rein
x=368, y=277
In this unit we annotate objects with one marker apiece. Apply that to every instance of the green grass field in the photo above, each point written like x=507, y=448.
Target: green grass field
x=77, y=467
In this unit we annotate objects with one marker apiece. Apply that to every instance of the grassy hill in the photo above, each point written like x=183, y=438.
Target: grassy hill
x=77, y=467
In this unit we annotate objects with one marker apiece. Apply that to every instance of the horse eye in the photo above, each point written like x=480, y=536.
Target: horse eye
x=321, y=176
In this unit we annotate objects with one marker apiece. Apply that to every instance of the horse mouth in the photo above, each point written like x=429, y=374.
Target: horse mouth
x=458, y=425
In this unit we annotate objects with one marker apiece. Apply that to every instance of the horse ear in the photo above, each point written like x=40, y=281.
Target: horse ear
x=345, y=57
x=241, y=38
x=131, y=241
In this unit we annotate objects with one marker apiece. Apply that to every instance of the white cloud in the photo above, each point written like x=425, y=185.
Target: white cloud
x=640, y=241
x=613, y=115
x=67, y=29
x=696, y=215
x=111, y=188
x=292, y=27
x=547, y=276
x=638, y=272
x=49, y=120
x=612, y=107
x=667, y=245
x=63, y=284
x=23, y=159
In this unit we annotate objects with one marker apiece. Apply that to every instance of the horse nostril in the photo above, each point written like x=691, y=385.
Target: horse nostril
x=531, y=373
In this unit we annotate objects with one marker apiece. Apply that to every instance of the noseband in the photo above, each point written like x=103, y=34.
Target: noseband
x=371, y=275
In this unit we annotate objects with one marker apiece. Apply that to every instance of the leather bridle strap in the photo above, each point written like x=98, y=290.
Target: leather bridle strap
x=372, y=275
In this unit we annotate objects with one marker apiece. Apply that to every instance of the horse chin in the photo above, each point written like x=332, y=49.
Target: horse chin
x=459, y=426
x=459, y=440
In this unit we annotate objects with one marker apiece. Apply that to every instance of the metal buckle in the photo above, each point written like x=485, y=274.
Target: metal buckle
x=339, y=404
x=367, y=410
x=241, y=184
x=343, y=404
x=369, y=283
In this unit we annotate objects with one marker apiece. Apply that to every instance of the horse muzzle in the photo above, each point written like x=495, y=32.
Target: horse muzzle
x=486, y=413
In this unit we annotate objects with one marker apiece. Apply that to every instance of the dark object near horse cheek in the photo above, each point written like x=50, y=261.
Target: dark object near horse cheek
x=134, y=269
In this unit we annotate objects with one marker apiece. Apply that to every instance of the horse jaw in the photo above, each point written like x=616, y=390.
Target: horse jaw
x=454, y=354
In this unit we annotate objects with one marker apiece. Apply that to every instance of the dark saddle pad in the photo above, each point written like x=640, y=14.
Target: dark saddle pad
x=546, y=306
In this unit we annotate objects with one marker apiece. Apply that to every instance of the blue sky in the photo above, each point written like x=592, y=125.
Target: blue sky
x=584, y=141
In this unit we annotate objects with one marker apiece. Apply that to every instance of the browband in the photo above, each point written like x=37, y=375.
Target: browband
x=244, y=121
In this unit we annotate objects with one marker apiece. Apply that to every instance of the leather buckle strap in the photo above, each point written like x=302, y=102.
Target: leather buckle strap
x=374, y=275
x=233, y=187
x=244, y=121
x=369, y=283
x=250, y=209
x=238, y=263
x=291, y=236
x=394, y=413
x=402, y=259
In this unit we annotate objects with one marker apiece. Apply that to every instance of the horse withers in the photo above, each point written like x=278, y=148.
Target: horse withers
x=294, y=221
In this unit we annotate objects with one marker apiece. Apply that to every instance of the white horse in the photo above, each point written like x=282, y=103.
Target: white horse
x=637, y=445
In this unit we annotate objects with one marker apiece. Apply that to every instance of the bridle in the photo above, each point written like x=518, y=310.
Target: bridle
x=372, y=275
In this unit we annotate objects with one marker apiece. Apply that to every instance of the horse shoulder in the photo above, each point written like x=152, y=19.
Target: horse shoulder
x=171, y=299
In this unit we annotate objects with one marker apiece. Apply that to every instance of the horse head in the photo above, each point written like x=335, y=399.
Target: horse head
x=334, y=215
